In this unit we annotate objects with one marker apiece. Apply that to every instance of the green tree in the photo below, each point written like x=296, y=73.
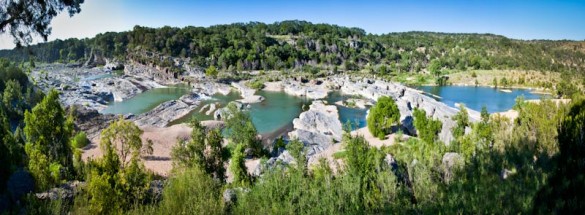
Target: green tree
x=25, y=18
x=562, y=193
x=203, y=151
x=80, y=140
x=238, y=167
x=118, y=180
x=461, y=122
x=241, y=130
x=297, y=151
x=495, y=82
x=435, y=67
x=383, y=116
x=504, y=82
x=383, y=70
x=124, y=137
x=10, y=151
x=426, y=128
x=48, y=135
x=211, y=71
x=13, y=98
x=190, y=191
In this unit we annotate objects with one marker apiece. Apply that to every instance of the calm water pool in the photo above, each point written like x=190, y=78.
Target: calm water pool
x=275, y=112
x=146, y=101
x=476, y=97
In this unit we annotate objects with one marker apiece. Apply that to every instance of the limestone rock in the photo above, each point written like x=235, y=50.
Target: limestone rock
x=247, y=93
x=281, y=161
x=165, y=113
x=90, y=121
x=407, y=99
x=311, y=91
x=451, y=161
x=66, y=191
x=230, y=196
x=318, y=128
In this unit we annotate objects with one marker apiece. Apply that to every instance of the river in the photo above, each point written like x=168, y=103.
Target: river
x=495, y=100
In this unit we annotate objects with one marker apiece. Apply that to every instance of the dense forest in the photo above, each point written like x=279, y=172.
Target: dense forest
x=298, y=44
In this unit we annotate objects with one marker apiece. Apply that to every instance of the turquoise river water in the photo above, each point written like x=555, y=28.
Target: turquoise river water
x=475, y=98
x=279, y=109
x=276, y=112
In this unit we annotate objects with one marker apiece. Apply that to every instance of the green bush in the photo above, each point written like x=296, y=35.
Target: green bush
x=256, y=84
x=80, y=140
x=426, y=128
x=382, y=117
x=191, y=191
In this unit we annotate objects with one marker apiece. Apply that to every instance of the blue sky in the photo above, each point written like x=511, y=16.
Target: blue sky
x=512, y=18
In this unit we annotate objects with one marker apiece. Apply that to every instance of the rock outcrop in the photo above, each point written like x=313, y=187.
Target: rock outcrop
x=66, y=191
x=221, y=113
x=317, y=128
x=247, y=93
x=168, y=111
x=451, y=161
x=311, y=91
x=90, y=121
x=281, y=160
x=407, y=99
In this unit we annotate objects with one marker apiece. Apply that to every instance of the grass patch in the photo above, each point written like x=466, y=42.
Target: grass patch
x=340, y=154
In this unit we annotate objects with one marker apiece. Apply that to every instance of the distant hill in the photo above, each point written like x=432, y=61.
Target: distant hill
x=304, y=45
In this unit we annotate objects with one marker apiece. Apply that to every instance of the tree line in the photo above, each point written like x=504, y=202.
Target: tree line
x=290, y=45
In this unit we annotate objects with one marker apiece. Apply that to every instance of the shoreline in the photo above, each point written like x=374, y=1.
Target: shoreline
x=533, y=90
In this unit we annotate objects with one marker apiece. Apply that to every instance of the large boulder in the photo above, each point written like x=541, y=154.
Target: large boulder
x=221, y=113
x=282, y=160
x=113, y=65
x=90, y=121
x=451, y=162
x=164, y=113
x=66, y=191
x=247, y=93
x=318, y=127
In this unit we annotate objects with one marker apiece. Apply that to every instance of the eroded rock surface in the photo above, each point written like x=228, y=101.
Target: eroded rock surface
x=407, y=99
x=168, y=111
x=91, y=121
x=317, y=128
x=247, y=93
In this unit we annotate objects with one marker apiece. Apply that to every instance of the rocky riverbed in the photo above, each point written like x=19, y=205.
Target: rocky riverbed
x=90, y=87
x=407, y=99
x=319, y=127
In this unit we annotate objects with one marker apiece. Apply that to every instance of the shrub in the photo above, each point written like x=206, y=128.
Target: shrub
x=256, y=84
x=80, y=140
x=382, y=116
x=426, y=128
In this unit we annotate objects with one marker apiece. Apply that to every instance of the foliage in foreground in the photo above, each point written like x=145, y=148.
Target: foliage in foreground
x=190, y=191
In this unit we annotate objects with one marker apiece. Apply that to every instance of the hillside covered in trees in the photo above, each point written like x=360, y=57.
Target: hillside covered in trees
x=294, y=44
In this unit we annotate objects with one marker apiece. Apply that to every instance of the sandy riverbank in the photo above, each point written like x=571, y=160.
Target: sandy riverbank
x=163, y=141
